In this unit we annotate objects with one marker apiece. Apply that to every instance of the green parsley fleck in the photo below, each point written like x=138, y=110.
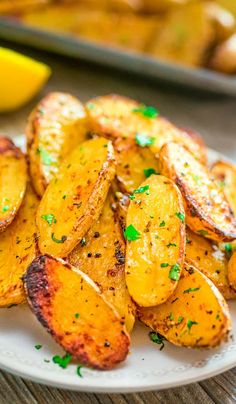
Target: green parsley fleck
x=63, y=361
x=50, y=218
x=149, y=112
x=64, y=197
x=162, y=224
x=174, y=273
x=46, y=360
x=131, y=234
x=197, y=179
x=78, y=371
x=58, y=241
x=217, y=316
x=90, y=106
x=171, y=245
x=164, y=265
x=38, y=346
x=141, y=190
x=157, y=339
x=221, y=184
x=181, y=216
x=144, y=140
x=188, y=241
x=190, y=290
x=171, y=316
x=228, y=248
x=190, y=323
x=45, y=156
x=5, y=208
x=131, y=197
x=203, y=232
x=77, y=315
x=83, y=242
x=149, y=171
x=180, y=319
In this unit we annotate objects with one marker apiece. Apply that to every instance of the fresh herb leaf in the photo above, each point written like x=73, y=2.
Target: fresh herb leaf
x=141, y=190
x=188, y=241
x=157, y=339
x=131, y=197
x=38, y=346
x=50, y=218
x=149, y=112
x=90, y=106
x=181, y=216
x=58, y=241
x=171, y=245
x=190, y=323
x=149, y=171
x=197, y=179
x=190, y=290
x=64, y=197
x=171, y=316
x=63, y=361
x=228, y=248
x=180, y=319
x=164, y=265
x=5, y=208
x=78, y=370
x=174, y=273
x=77, y=315
x=217, y=316
x=162, y=224
x=203, y=232
x=45, y=156
x=144, y=140
x=131, y=234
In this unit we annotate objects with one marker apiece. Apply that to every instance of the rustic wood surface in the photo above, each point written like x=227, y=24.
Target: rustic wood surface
x=215, y=118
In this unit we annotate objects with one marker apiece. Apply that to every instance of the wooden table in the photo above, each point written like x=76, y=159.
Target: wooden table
x=215, y=118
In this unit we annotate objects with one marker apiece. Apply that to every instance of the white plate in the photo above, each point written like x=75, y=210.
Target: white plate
x=146, y=368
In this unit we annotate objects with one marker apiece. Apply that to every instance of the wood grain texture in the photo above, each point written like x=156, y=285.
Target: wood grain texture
x=214, y=117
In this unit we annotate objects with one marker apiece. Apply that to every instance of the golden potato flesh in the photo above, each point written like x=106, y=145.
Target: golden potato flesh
x=55, y=127
x=195, y=315
x=232, y=271
x=155, y=233
x=74, y=199
x=207, y=210
x=225, y=175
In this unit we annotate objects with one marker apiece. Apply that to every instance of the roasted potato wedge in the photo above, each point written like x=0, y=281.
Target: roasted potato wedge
x=224, y=56
x=17, y=250
x=232, y=271
x=55, y=127
x=225, y=174
x=73, y=310
x=134, y=164
x=155, y=235
x=210, y=260
x=13, y=179
x=114, y=116
x=222, y=20
x=195, y=316
x=121, y=207
x=73, y=201
x=101, y=255
x=207, y=210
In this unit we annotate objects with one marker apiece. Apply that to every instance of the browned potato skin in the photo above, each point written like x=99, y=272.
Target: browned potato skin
x=13, y=179
x=121, y=207
x=17, y=250
x=205, y=306
x=232, y=271
x=101, y=256
x=207, y=210
x=113, y=116
x=55, y=127
x=131, y=162
x=76, y=196
x=56, y=291
x=225, y=174
x=210, y=260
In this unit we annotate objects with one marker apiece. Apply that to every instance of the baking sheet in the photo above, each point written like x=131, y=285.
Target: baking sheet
x=143, y=65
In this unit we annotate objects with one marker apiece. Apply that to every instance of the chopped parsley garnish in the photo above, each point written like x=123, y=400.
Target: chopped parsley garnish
x=157, y=339
x=38, y=346
x=197, y=179
x=149, y=112
x=180, y=319
x=217, y=316
x=228, y=248
x=181, y=216
x=190, y=323
x=131, y=197
x=203, y=232
x=131, y=234
x=171, y=316
x=188, y=241
x=5, y=208
x=77, y=315
x=190, y=290
x=45, y=156
x=141, y=190
x=83, y=242
x=162, y=224
x=64, y=197
x=149, y=171
x=144, y=140
x=174, y=273
x=58, y=241
x=62, y=361
x=78, y=371
x=171, y=245
x=50, y=218
x=90, y=105
x=164, y=265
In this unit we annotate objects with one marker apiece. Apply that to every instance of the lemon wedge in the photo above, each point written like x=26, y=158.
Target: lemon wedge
x=20, y=79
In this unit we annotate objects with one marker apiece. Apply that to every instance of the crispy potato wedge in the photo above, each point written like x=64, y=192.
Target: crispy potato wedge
x=134, y=164
x=207, y=210
x=114, y=116
x=73, y=310
x=73, y=201
x=208, y=258
x=225, y=174
x=17, y=250
x=55, y=127
x=195, y=316
x=232, y=271
x=13, y=181
x=155, y=234
x=101, y=255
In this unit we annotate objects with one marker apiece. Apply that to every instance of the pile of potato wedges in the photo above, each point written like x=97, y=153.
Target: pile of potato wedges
x=113, y=215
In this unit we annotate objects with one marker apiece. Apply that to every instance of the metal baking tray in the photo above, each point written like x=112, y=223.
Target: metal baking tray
x=134, y=62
